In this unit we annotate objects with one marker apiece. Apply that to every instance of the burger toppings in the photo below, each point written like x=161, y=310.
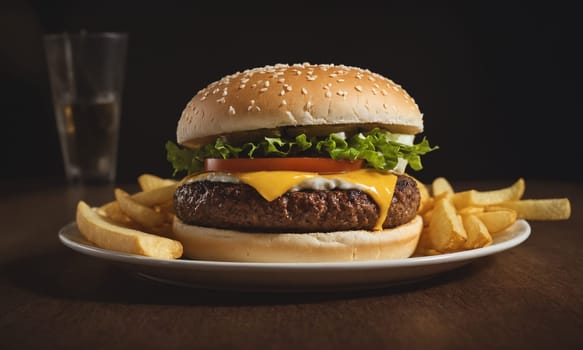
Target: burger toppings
x=202, y=203
x=378, y=149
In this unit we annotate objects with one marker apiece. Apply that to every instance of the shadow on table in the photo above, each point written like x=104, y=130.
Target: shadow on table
x=72, y=276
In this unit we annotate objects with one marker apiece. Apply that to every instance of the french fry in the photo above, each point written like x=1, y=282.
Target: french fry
x=483, y=198
x=478, y=234
x=110, y=236
x=155, y=196
x=139, y=224
x=141, y=214
x=540, y=209
x=440, y=185
x=427, y=217
x=481, y=214
x=422, y=251
x=470, y=210
x=150, y=182
x=425, y=201
x=113, y=212
x=497, y=221
x=166, y=207
x=445, y=232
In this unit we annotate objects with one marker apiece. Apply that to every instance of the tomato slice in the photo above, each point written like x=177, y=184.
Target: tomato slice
x=317, y=165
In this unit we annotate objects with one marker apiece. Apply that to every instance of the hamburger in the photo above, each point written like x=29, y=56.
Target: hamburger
x=298, y=163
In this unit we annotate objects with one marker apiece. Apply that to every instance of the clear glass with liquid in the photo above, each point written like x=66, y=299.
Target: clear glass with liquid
x=87, y=73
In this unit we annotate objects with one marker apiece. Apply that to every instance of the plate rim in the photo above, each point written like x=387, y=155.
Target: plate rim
x=521, y=225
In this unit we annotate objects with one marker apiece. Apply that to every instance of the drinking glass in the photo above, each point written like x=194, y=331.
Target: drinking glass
x=86, y=72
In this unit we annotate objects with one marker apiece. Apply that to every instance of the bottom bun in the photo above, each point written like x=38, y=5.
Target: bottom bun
x=205, y=243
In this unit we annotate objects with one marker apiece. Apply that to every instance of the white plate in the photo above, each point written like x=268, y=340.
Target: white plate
x=293, y=277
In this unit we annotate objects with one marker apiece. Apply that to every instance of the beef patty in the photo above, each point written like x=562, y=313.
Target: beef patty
x=240, y=207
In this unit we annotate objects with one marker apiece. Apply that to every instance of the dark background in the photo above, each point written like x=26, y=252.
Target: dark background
x=496, y=82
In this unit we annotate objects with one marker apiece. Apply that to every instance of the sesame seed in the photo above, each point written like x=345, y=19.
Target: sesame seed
x=253, y=106
x=298, y=72
x=304, y=91
x=384, y=92
x=378, y=76
x=281, y=80
x=385, y=106
x=221, y=100
x=244, y=80
x=333, y=75
x=340, y=80
x=371, y=78
x=225, y=92
x=263, y=89
x=283, y=102
x=311, y=77
x=242, y=86
x=395, y=88
x=359, y=76
x=253, y=85
x=203, y=98
x=374, y=91
x=358, y=88
x=376, y=85
x=329, y=84
x=308, y=105
x=325, y=87
x=215, y=91
x=231, y=110
x=266, y=83
x=288, y=87
x=341, y=93
x=282, y=92
x=328, y=94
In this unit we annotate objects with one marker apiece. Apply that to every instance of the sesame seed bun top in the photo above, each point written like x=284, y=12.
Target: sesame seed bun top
x=297, y=95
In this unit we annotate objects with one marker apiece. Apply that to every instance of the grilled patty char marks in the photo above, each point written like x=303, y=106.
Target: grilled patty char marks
x=240, y=207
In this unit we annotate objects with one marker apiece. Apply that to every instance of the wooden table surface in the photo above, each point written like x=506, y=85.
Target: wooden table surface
x=52, y=297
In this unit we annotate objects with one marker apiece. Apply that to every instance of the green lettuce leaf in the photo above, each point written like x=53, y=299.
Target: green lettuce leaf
x=375, y=147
